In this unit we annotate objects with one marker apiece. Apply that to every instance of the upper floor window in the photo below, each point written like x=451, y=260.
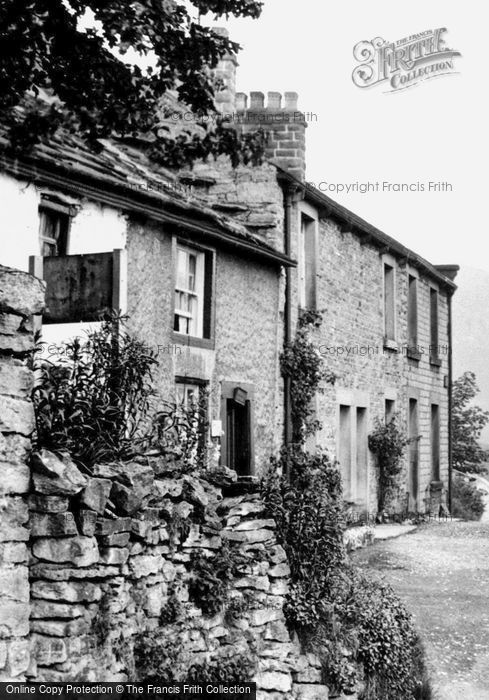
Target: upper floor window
x=307, y=261
x=54, y=226
x=389, y=411
x=389, y=303
x=412, y=312
x=193, y=291
x=434, y=336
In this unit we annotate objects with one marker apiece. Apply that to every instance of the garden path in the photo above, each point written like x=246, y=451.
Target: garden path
x=442, y=573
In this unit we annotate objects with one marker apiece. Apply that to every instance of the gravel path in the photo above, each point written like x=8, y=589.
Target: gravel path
x=442, y=572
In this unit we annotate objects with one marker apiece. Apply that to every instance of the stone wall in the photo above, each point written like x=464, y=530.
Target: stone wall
x=113, y=557
x=20, y=296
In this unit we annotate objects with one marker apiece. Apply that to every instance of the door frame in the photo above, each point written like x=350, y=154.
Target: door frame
x=413, y=447
x=227, y=392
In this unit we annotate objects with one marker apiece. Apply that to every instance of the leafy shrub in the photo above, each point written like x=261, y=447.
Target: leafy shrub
x=94, y=400
x=211, y=576
x=358, y=627
x=467, y=500
x=388, y=645
x=308, y=510
x=387, y=442
x=302, y=364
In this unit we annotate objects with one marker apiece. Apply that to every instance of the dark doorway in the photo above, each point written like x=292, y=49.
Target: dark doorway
x=413, y=454
x=238, y=436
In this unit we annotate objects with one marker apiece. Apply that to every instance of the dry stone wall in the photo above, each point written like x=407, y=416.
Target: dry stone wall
x=20, y=296
x=113, y=556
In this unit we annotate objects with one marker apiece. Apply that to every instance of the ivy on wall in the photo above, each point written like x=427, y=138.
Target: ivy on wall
x=303, y=365
x=361, y=631
x=387, y=442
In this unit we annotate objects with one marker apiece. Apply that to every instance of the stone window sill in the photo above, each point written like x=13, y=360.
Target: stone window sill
x=191, y=341
x=390, y=344
x=435, y=361
x=413, y=354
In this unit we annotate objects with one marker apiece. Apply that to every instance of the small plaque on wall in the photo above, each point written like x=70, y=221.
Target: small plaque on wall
x=240, y=396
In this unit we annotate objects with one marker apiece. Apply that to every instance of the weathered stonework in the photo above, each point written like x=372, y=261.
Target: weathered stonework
x=248, y=330
x=351, y=342
x=91, y=596
x=20, y=296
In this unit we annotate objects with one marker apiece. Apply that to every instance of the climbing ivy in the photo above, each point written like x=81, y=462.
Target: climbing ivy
x=302, y=364
x=360, y=630
x=387, y=442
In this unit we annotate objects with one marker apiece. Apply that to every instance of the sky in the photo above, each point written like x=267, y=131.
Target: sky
x=436, y=131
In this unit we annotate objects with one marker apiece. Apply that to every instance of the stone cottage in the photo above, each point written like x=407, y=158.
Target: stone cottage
x=386, y=331
x=201, y=289
x=213, y=266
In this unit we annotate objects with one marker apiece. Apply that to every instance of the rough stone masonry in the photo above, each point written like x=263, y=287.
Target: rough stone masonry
x=89, y=561
x=21, y=296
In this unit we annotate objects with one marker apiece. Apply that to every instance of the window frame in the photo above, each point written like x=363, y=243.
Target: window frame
x=208, y=311
x=389, y=409
x=200, y=384
x=64, y=215
x=412, y=315
x=435, y=441
x=307, y=212
x=390, y=343
x=435, y=359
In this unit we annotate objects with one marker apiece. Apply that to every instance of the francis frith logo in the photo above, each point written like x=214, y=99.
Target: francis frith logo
x=403, y=63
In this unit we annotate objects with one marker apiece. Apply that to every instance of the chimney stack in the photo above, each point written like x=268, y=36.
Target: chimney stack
x=226, y=71
x=286, y=127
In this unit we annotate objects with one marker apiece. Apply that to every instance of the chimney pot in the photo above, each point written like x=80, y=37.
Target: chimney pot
x=291, y=99
x=257, y=100
x=241, y=102
x=274, y=100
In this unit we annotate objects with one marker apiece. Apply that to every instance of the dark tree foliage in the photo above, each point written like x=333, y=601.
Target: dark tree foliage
x=468, y=421
x=75, y=81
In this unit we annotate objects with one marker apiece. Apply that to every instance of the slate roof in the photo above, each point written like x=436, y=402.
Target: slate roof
x=123, y=169
x=366, y=231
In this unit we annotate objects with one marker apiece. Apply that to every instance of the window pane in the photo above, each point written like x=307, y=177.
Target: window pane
x=53, y=233
x=48, y=249
x=190, y=291
x=192, y=266
x=389, y=303
x=412, y=312
x=181, y=269
x=434, y=322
